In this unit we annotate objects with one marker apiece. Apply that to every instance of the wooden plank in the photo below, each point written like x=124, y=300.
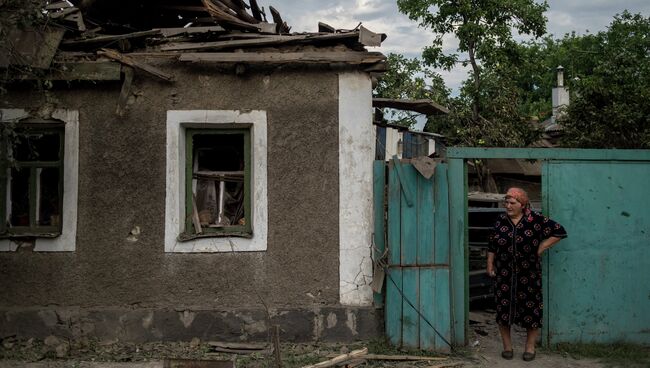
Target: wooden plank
x=551, y=154
x=277, y=19
x=394, y=306
x=350, y=57
x=458, y=260
x=403, y=179
x=224, y=16
x=339, y=359
x=369, y=38
x=169, y=32
x=257, y=12
x=111, y=38
x=409, y=236
x=216, y=45
x=410, y=316
x=124, y=59
x=441, y=215
x=379, y=188
x=255, y=41
x=394, y=216
x=425, y=219
x=239, y=10
x=441, y=309
x=125, y=92
x=325, y=28
x=426, y=306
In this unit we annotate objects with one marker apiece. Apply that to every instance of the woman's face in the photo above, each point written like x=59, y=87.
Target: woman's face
x=513, y=207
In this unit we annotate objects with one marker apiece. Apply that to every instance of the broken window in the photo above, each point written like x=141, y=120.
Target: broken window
x=217, y=183
x=31, y=183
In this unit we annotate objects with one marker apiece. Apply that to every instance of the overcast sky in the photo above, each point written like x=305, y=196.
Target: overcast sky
x=405, y=37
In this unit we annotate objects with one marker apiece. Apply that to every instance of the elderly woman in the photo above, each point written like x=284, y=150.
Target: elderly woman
x=518, y=240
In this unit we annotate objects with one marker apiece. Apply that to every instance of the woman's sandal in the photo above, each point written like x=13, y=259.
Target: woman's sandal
x=507, y=354
x=528, y=357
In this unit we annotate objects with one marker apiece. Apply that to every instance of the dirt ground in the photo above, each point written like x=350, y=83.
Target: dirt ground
x=483, y=351
x=485, y=347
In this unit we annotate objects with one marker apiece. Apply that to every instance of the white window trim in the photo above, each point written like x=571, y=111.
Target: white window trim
x=177, y=122
x=66, y=242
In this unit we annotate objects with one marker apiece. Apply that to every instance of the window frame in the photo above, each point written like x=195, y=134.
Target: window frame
x=246, y=230
x=33, y=230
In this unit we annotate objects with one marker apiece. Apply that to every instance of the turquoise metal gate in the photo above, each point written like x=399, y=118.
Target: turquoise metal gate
x=597, y=287
x=596, y=283
x=417, y=304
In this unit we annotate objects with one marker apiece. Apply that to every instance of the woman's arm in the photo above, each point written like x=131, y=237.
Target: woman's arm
x=490, y=265
x=545, y=244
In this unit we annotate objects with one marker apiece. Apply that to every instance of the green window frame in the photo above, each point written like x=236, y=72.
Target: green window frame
x=196, y=226
x=16, y=139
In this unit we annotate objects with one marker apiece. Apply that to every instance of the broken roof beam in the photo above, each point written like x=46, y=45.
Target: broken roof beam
x=261, y=40
x=369, y=38
x=422, y=106
x=239, y=9
x=225, y=17
x=127, y=60
x=315, y=57
x=110, y=38
x=170, y=32
x=257, y=12
x=277, y=19
x=325, y=28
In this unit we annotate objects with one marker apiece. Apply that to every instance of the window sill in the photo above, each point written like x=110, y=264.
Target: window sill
x=183, y=237
x=30, y=235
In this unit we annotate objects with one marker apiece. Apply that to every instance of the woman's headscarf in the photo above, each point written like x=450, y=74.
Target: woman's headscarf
x=519, y=195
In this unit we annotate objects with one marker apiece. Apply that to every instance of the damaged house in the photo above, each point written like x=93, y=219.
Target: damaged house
x=181, y=169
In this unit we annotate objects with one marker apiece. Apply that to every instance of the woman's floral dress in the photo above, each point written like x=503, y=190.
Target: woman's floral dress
x=518, y=284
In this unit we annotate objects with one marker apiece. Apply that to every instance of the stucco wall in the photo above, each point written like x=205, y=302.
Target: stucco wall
x=122, y=185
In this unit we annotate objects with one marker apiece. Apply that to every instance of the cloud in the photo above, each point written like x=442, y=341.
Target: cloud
x=405, y=37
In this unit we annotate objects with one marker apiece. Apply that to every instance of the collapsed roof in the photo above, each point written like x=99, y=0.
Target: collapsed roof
x=84, y=39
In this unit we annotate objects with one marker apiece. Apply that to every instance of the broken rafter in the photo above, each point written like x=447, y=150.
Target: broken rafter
x=262, y=41
x=315, y=57
x=361, y=353
x=239, y=10
x=225, y=17
x=169, y=32
x=111, y=38
x=124, y=59
x=325, y=28
x=257, y=12
x=277, y=19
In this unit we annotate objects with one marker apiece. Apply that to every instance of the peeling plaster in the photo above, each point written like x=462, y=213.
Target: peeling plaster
x=356, y=155
x=331, y=320
x=186, y=318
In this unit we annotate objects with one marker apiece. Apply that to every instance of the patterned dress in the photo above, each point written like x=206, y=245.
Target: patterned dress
x=518, y=284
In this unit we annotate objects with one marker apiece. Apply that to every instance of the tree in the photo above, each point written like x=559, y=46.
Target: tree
x=609, y=105
x=410, y=79
x=484, y=31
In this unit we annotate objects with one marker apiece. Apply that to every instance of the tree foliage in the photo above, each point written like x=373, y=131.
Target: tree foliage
x=609, y=106
x=483, y=29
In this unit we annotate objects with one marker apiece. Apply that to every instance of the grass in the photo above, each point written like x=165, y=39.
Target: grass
x=612, y=355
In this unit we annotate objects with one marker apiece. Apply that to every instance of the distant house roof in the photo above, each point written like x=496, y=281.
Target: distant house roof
x=426, y=107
